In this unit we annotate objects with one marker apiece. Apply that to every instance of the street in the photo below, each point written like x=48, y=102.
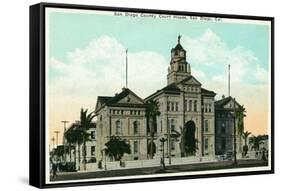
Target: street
x=154, y=170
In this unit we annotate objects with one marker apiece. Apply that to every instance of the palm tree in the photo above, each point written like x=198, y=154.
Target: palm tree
x=75, y=136
x=239, y=116
x=245, y=147
x=85, y=125
x=72, y=138
x=245, y=136
x=152, y=111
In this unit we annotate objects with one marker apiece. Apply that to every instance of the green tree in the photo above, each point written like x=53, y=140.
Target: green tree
x=188, y=142
x=117, y=147
x=58, y=152
x=255, y=142
x=85, y=125
x=152, y=111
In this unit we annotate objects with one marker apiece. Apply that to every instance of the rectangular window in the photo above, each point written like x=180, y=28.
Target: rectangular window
x=190, y=105
x=206, y=125
x=168, y=106
x=161, y=126
x=185, y=105
x=173, y=145
x=177, y=106
x=172, y=125
x=118, y=127
x=93, y=135
x=101, y=130
x=210, y=107
x=195, y=105
x=206, y=144
x=172, y=103
x=93, y=150
x=136, y=147
x=136, y=128
x=206, y=107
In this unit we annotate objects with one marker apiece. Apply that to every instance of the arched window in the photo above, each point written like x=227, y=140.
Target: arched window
x=118, y=127
x=136, y=128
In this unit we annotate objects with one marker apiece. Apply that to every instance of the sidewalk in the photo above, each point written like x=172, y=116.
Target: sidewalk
x=114, y=165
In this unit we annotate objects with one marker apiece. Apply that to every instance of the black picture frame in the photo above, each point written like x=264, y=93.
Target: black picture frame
x=37, y=94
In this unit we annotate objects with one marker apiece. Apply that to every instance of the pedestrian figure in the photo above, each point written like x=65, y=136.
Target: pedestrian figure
x=162, y=163
x=100, y=164
x=263, y=155
x=55, y=168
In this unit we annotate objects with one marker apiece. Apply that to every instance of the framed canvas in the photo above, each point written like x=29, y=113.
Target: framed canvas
x=123, y=95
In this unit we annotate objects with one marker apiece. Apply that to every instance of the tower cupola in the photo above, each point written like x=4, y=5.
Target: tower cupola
x=179, y=68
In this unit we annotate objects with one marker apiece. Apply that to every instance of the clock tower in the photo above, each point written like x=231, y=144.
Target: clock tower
x=179, y=68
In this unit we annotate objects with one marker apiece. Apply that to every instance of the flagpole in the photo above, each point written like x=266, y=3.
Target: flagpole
x=228, y=80
x=126, y=68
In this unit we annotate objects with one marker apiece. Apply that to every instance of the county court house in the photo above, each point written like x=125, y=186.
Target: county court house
x=186, y=120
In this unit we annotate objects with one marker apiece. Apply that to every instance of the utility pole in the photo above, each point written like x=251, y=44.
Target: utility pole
x=64, y=148
x=57, y=136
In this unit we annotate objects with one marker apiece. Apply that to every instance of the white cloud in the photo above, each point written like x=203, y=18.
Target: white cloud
x=209, y=54
x=99, y=69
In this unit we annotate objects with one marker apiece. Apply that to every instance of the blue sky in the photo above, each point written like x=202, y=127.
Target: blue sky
x=86, y=59
x=69, y=31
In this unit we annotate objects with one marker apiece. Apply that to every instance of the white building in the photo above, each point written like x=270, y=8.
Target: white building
x=186, y=118
x=187, y=111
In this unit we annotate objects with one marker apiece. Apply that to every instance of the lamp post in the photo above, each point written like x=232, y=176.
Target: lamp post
x=53, y=140
x=104, y=154
x=162, y=162
x=64, y=130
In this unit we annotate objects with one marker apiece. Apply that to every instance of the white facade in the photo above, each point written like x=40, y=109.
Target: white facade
x=186, y=110
x=184, y=104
